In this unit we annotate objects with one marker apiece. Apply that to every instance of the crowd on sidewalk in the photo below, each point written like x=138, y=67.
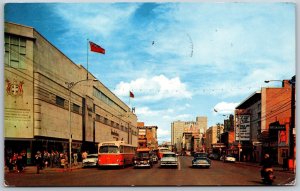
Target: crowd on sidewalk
x=16, y=162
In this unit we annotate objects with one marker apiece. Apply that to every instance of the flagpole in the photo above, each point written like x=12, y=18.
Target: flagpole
x=129, y=99
x=87, y=59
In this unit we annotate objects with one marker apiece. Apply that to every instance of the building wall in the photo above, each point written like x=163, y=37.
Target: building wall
x=211, y=136
x=42, y=110
x=18, y=76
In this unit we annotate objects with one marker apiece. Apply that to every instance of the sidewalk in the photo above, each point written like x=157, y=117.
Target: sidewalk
x=275, y=167
x=32, y=169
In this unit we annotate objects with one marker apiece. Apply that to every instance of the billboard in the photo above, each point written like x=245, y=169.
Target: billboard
x=242, y=130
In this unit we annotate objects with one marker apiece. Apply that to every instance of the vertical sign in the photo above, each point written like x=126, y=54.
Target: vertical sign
x=242, y=131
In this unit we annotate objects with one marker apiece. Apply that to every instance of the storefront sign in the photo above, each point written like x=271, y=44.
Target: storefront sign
x=242, y=131
x=277, y=127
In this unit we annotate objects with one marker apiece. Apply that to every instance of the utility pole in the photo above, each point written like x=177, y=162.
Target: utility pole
x=292, y=123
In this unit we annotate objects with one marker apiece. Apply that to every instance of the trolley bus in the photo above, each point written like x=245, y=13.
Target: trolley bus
x=115, y=153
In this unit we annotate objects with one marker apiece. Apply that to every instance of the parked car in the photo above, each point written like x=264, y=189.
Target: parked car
x=91, y=160
x=142, y=158
x=228, y=158
x=169, y=159
x=201, y=162
x=214, y=156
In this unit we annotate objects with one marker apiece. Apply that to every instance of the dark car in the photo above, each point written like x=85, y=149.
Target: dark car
x=201, y=162
x=214, y=156
x=142, y=158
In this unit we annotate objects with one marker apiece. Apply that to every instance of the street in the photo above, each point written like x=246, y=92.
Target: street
x=220, y=174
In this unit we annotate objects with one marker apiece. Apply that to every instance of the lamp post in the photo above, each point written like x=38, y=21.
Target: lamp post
x=292, y=82
x=70, y=85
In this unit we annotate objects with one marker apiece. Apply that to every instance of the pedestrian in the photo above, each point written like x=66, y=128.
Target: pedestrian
x=19, y=163
x=266, y=163
x=38, y=161
x=10, y=164
x=75, y=156
x=66, y=160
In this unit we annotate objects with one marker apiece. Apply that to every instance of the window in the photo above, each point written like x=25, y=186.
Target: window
x=60, y=101
x=76, y=108
x=15, y=51
x=108, y=149
x=97, y=117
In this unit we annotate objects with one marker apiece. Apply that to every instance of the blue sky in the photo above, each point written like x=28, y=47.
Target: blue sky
x=204, y=56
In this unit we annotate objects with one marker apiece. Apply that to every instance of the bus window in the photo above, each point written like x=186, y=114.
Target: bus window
x=108, y=149
x=121, y=149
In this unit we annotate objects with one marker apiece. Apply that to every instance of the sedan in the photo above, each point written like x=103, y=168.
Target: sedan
x=229, y=158
x=90, y=160
x=201, y=162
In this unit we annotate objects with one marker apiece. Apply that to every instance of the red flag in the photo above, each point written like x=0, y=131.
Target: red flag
x=96, y=48
x=131, y=94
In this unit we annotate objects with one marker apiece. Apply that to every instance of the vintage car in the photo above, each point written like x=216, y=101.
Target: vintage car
x=228, y=158
x=214, y=156
x=90, y=161
x=201, y=162
x=142, y=158
x=169, y=159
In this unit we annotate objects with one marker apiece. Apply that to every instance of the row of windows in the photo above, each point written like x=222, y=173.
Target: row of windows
x=15, y=51
x=76, y=108
x=98, y=94
x=111, y=123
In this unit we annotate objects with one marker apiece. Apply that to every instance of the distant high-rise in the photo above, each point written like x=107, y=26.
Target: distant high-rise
x=179, y=127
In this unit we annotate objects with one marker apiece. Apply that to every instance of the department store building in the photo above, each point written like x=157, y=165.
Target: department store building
x=36, y=100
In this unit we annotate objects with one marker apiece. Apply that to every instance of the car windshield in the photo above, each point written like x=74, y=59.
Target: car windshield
x=142, y=155
x=200, y=155
x=108, y=149
x=92, y=156
x=164, y=150
x=169, y=155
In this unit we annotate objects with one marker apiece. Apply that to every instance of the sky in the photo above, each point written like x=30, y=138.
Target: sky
x=181, y=60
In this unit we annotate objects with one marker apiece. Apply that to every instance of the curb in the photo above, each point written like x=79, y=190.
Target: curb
x=279, y=169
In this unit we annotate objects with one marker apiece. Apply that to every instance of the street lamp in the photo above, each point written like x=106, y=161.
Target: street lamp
x=70, y=85
x=292, y=82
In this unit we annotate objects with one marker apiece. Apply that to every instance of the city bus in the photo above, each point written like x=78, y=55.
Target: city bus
x=115, y=153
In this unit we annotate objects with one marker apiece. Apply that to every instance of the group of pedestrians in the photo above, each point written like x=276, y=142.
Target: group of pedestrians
x=16, y=161
x=44, y=159
x=55, y=159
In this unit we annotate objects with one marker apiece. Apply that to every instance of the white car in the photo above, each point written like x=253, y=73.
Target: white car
x=169, y=159
x=229, y=158
x=90, y=160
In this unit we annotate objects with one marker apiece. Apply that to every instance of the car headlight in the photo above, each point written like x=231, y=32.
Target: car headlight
x=134, y=161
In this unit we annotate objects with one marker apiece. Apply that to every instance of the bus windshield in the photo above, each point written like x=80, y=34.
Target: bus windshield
x=108, y=149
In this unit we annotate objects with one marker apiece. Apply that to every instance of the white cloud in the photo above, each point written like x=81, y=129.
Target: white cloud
x=224, y=108
x=97, y=19
x=155, y=88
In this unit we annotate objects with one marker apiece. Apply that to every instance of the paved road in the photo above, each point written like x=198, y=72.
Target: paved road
x=219, y=174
